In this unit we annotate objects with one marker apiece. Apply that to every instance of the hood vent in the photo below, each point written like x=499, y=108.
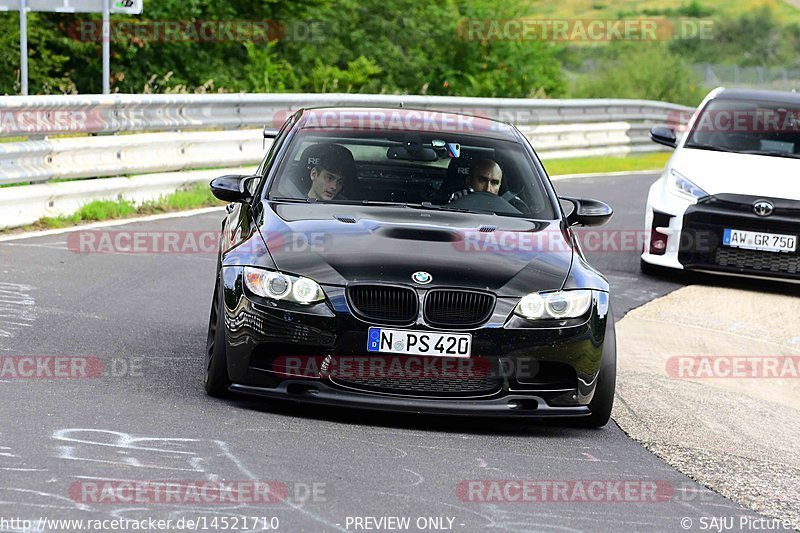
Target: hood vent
x=419, y=234
x=345, y=219
x=487, y=229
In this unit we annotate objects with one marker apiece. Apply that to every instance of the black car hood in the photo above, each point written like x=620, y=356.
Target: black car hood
x=338, y=244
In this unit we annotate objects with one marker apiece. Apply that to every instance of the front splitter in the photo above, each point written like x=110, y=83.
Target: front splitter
x=320, y=393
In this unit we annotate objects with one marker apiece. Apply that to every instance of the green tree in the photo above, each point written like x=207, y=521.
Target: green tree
x=636, y=70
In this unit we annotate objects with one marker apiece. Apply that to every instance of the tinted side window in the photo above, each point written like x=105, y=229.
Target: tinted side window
x=266, y=164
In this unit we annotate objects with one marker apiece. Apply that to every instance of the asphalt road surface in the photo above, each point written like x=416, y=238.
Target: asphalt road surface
x=147, y=418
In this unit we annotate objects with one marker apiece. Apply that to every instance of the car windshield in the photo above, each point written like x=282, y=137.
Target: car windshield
x=424, y=170
x=751, y=127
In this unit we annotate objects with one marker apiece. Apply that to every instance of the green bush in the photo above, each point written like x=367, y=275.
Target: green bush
x=756, y=38
x=266, y=71
x=636, y=70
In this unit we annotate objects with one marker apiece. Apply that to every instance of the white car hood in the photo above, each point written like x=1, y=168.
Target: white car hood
x=728, y=172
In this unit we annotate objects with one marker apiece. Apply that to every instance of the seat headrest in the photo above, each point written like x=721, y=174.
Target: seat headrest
x=457, y=171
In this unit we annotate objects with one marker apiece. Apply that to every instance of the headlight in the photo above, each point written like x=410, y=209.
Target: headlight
x=554, y=305
x=682, y=186
x=279, y=286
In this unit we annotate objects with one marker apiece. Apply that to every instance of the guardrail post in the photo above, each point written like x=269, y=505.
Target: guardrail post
x=23, y=47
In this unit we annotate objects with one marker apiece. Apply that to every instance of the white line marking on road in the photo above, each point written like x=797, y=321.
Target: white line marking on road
x=110, y=223
x=100, y=440
x=17, y=308
x=35, y=245
x=291, y=504
x=124, y=440
x=504, y=452
x=419, y=480
x=654, y=173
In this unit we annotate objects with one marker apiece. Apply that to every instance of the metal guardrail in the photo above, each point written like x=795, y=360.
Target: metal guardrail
x=116, y=155
x=74, y=137
x=51, y=115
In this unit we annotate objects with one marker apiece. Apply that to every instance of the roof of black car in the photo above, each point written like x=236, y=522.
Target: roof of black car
x=404, y=119
x=760, y=95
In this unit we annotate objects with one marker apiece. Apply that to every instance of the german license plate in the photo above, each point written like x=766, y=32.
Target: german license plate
x=757, y=240
x=419, y=342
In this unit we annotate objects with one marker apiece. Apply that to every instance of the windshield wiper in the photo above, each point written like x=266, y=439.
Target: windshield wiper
x=435, y=207
x=382, y=203
x=705, y=146
x=775, y=153
x=295, y=200
x=423, y=205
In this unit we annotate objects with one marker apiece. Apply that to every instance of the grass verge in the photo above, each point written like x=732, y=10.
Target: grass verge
x=587, y=165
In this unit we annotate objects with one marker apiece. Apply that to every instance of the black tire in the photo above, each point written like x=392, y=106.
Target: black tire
x=216, y=379
x=603, y=399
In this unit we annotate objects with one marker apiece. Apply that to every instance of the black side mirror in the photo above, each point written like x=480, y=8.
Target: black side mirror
x=588, y=212
x=664, y=135
x=232, y=188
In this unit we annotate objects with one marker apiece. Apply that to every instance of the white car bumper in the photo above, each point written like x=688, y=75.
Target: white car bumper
x=661, y=200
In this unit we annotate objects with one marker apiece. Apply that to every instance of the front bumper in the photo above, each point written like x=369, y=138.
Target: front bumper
x=705, y=223
x=695, y=234
x=322, y=393
x=532, y=372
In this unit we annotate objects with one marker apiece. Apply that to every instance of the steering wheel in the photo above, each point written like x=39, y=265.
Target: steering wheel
x=485, y=201
x=512, y=198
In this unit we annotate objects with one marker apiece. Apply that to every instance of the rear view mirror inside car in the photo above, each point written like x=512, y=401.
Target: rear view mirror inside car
x=404, y=153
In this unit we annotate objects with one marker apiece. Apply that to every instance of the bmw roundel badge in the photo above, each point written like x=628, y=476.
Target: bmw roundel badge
x=423, y=278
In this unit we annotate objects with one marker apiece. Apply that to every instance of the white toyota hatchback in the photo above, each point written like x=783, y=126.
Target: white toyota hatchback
x=728, y=200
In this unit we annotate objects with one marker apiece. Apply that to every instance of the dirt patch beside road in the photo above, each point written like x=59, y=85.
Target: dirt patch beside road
x=697, y=386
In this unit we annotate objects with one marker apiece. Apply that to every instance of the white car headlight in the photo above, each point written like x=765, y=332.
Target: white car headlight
x=279, y=286
x=554, y=305
x=682, y=186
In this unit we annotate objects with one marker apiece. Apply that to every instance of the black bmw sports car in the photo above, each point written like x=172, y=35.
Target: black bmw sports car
x=409, y=260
